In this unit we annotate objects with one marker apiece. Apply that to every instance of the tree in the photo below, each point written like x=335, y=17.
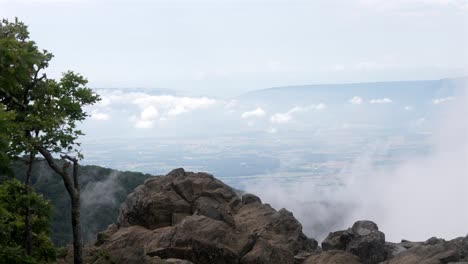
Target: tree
x=13, y=202
x=4, y=141
x=46, y=111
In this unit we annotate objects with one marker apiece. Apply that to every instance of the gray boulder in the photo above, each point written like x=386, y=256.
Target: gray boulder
x=195, y=217
x=368, y=242
x=363, y=240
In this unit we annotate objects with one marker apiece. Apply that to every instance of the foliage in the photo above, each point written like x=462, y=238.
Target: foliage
x=96, y=212
x=5, y=119
x=13, y=204
x=47, y=111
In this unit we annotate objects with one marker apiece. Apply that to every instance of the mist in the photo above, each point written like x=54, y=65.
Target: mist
x=421, y=197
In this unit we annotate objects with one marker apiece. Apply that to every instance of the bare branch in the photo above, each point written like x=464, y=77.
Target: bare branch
x=53, y=164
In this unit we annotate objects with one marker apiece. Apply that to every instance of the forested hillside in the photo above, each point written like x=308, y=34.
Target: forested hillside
x=103, y=190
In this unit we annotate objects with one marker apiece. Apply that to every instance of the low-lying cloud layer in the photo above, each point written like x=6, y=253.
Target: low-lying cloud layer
x=281, y=118
x=147, y=109
x=421, y=197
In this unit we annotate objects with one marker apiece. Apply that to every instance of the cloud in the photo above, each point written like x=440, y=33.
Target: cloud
x=162, y=107
x=273, y=65
x=356, y=100
x=258, y=112
x=282, y=118
x=279, y=118
x=437, y=101
x=147, y=117
x=149, y=108
x=402, y=200
x=408, y=108
x=381, y=101
x=99, y=116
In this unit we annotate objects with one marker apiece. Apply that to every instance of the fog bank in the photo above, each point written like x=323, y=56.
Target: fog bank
x=421, y=197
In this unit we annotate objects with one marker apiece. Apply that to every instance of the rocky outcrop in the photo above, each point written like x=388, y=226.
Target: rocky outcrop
x=363, y=240
x=195, y=217
x=333, y=257
x=433, y=251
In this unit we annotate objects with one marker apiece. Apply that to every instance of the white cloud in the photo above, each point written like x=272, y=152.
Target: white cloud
x=282, y=118
x=144, y=124
x=273, y=65
x=162, y=107
x=381, y=101
x=147, y=117
x=100, y=116
x=151, y=108
x=231, y=104
x=149, y=113
x=408, y=108
x=258, y=112
x=437, y=101
x=356, y=100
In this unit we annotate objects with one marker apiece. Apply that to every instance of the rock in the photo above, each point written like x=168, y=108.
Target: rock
x=364, y=228
x=333, y=257
x=250, y=198
x=464, y=248
x=363, y=240
x=368, y=242
x=104, y=236
x=440, y=253
x=393, y=249
x=195, y=217
x=303, y=255
x=177, y=261
x=434, y=241
x=337, y=240
x=408, y=244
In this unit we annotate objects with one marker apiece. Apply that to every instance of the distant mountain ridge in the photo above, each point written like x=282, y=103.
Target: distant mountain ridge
x=398, y=91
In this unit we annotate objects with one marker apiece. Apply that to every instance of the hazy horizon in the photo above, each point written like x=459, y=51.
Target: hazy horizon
x=346, y=109
x=226, y=48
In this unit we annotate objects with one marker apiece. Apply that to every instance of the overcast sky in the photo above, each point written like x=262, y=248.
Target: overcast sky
x=224, y=48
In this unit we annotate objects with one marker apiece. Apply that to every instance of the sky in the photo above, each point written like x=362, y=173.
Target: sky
x=226, y=48
x=212, y=51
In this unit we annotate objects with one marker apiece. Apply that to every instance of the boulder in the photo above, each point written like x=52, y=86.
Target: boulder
x=250, y=198
x=195, y=217
x=393, y=249
x=434, y=241
x=337, y=240
x=441, y=253
x=363, y=240
x=409, y=244
x=333, y=257
x=368, y=242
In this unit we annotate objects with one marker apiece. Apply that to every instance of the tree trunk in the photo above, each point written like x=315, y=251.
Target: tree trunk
x=73, y=188
x=76, y=225
x=28, y=243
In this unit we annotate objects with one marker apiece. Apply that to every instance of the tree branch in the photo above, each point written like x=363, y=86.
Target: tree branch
x=62, y=172
x=13, y=99
x=75, y=170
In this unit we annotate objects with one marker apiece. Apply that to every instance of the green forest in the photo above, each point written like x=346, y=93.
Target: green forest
x=41, y=177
